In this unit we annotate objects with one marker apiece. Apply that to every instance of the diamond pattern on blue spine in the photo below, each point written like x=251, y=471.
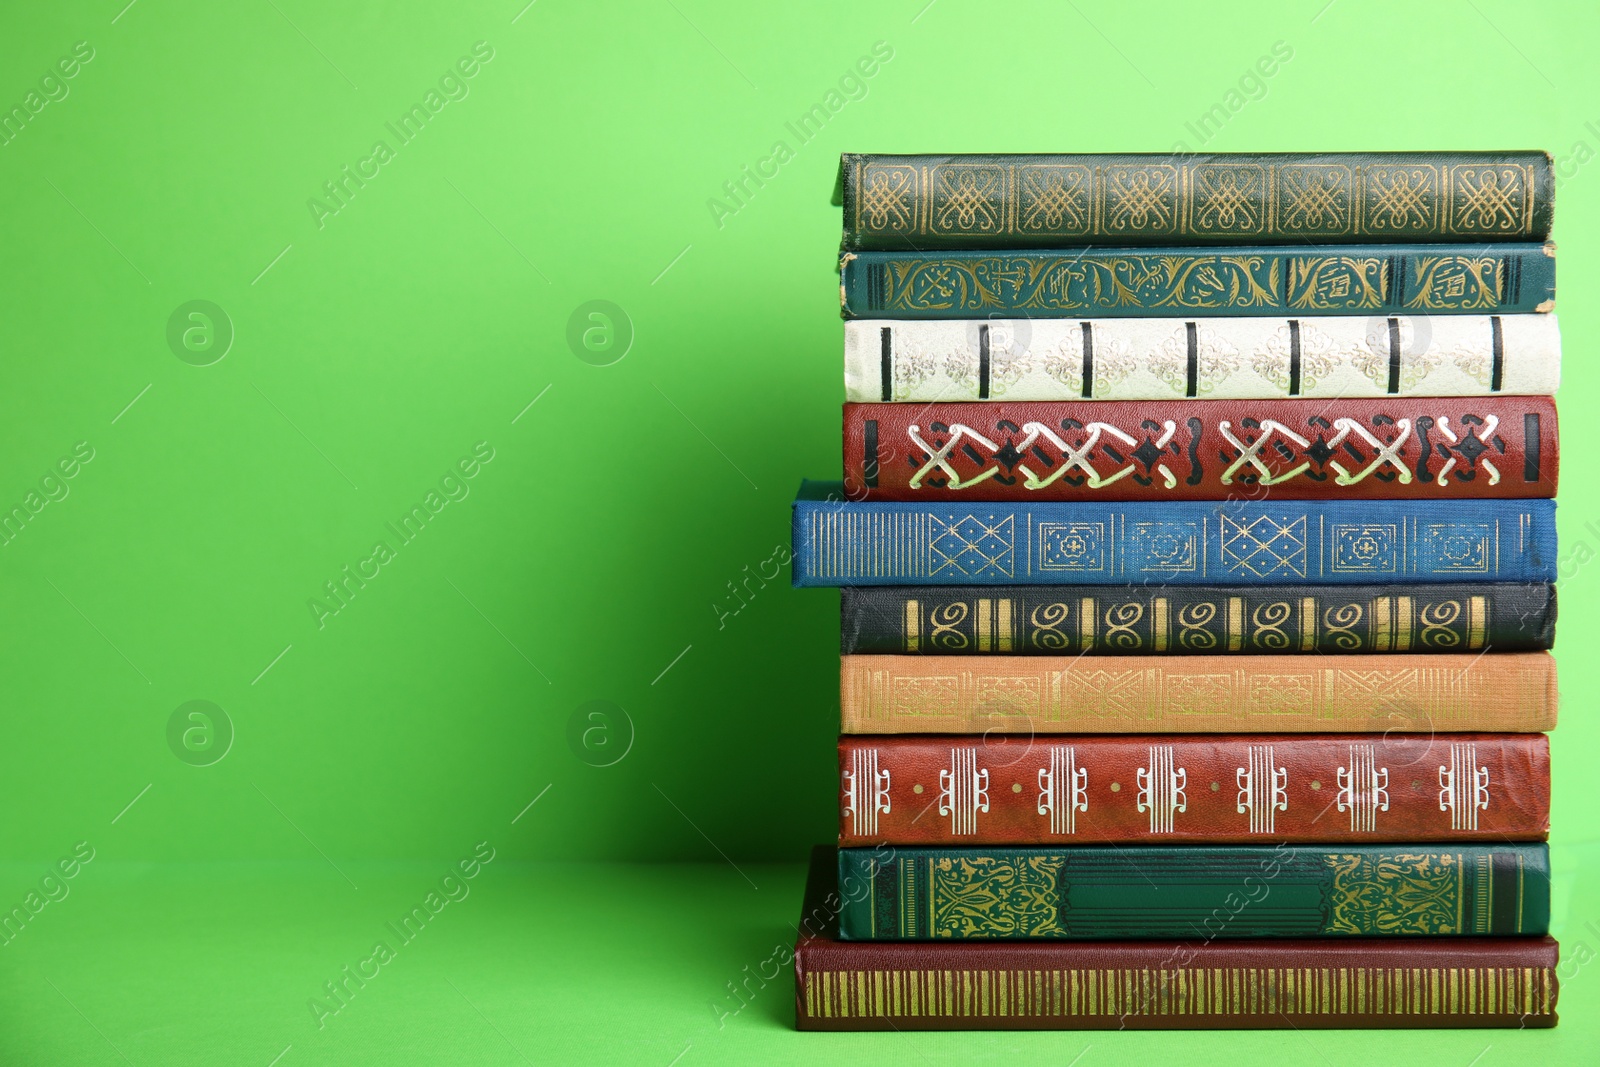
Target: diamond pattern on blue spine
x=978, y=547
x=1264, y=546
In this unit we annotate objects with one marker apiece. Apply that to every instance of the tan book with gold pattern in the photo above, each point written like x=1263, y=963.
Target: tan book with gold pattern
x=1512, y=692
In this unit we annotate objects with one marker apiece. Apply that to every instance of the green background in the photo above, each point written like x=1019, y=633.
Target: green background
x=591, y=559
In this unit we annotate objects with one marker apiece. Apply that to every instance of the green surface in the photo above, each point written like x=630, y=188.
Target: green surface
x=557, y=963
x=591, y=559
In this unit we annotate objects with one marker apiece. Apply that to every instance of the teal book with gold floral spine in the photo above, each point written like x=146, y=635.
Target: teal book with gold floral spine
x=1195, y=283
x=1093, y=893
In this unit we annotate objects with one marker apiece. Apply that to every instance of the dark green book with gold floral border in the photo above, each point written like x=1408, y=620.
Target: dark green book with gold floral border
x=1090, y=893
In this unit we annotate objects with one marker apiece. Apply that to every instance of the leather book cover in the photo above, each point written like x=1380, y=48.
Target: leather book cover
x=1274, y=281
x=838, y=541
x=1196, y=620
x=1193, y=983
x=1004, y=200
x=1218, y=789
x=1334, y=357
x=1226, y=892
x=1131, y=450
x=1512, y=692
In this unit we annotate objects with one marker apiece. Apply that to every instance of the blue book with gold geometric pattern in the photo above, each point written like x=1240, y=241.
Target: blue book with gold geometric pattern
x=842, y=542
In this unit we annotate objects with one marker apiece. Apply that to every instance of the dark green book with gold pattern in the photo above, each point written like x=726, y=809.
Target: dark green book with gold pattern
x=1186, y=282
x=1091, y=893
x=1033, y=201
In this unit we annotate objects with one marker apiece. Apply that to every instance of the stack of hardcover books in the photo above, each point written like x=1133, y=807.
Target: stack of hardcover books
x=1197, y=546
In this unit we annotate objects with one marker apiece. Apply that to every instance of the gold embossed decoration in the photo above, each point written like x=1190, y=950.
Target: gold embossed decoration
x=945, y=631
x=936, y=695
x=1339, y=625
x=1491, y=198
x=1315, y=199
x=996, y=896
x=1055, y=199
x=1338, y=283
x=968, y=199
x=1335, y=283
x=1228, y=198
x=1455, y=283
x=1046, y=620
x=1190, y=994
x=1003, y=696
x=885, y=203
x=1441, y=625
x=1400, y=894
x=1141, y=199
x=1041, y=200
x=1281, y=693
x=1120, y=620
x=1194, y=621
x=1268, y=620
x=1402, y=200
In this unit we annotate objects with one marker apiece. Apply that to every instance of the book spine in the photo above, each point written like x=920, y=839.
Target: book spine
x=840, y=542
x=1224, y=892
x=1514, y=692
x=1018, y=201
x=1134, y=450
x=1232, y=789
x=1270, y=281
x=1198, y=620
x=1197, y=982
x=1337, y=358
x=1169, y=985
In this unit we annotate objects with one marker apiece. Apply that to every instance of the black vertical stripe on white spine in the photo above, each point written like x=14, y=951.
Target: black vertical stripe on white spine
x=1394, y=356
x=1088, y=359
x=1294, y=357
x=1191, y=385
x=983, y=362
x=886, y=361
x=1497, y=367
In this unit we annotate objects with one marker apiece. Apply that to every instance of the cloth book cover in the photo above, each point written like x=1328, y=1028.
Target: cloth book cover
x=1274, y=281
x=1196, y=620
x=1414, y=448
x=1297, y=693
x=1017, y=201
x=1339, y=358
x=1195, y=982
x=839, y=541
x=1092, y=892
x=1039, y=789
